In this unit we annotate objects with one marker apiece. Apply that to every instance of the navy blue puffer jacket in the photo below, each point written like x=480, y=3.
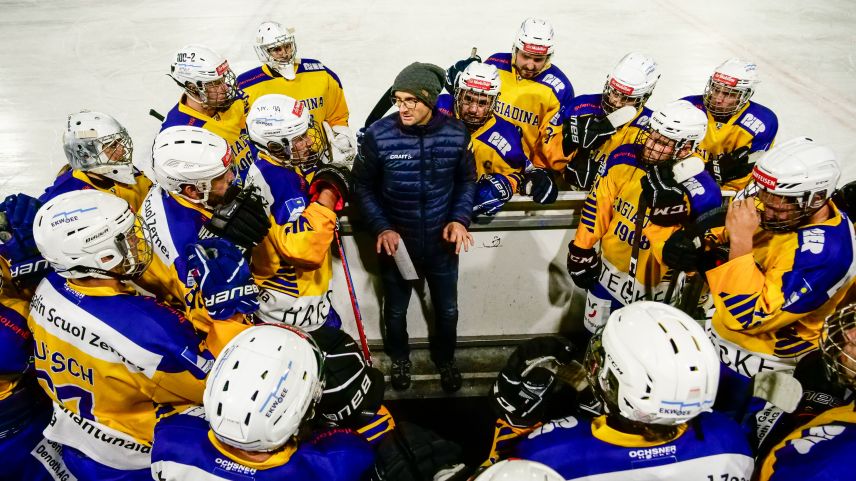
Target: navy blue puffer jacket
x=416, y=179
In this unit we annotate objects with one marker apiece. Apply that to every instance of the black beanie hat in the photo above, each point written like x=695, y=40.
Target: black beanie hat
x=423, y=80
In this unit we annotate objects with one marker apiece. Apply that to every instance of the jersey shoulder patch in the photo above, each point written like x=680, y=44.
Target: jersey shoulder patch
x=177, y=117
x=558, y=82
x=252, y=77
x=589, y=104
x=501, y=61
x=696, y=100
x=445, y=105
x=762, y=123
x=625, y=154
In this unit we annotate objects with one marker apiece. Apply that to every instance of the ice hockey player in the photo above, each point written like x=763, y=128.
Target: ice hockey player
x=24, y=409
x=99, y=152
x=656, y=374
x=293, y=265
x=738, y=130
x=533, y=93
x=496, y=143
x=823, y=427
x=262, y=389
x=307, y=80
x=587, y=137
x=194, y=197
x=211, y=100
x=111, y=361
x=780, y=281
x=661, y=170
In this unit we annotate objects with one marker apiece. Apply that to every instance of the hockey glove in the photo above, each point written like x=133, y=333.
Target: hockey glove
x=539, y=184
x=25, y=262
x=664, y=196
x=336, y=178
x=243, y=220
x=682, y=251
x=581, y=171
x=583, y=265
x=455, y=70
x=223, y=277
x=585, y=132
x=492, y=192
x=730, y=165
x=845, y=199
x=521, y=389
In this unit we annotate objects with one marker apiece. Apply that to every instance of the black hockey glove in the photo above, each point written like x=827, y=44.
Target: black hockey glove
x=583, y=265
x=539, y=184
x=242, y=220
x=682, y=251
x=455, y=70
x=585, y=132
x=519, y=393
x=730, y=165
x=335, y=177
x=845, y=199
x=664, y=196
x=581, y=171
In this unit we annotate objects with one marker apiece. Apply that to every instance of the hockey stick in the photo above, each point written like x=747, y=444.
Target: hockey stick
x=154, y=113
x=358, y=318
x=641, y=213
x=706, y=221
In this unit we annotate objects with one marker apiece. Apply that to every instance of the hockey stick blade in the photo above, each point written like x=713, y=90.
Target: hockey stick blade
x=689, y=167
x=621, y=116
x=778, y=388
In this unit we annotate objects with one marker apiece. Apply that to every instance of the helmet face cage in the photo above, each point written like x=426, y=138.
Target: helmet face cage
x=615, y=96
x=280, y=53
x=115, y=149
x=218, y=94
x=466, y=99
x=304, y=150
x=716, y=89
x=786, y=213
x=653, y=147
x=838, y=346
x=600, y=378
x=136, y=247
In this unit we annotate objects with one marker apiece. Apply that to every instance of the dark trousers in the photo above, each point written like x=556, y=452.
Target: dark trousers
x=441, y=275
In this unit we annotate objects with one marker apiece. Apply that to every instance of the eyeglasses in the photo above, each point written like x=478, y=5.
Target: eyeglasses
x=410, y=103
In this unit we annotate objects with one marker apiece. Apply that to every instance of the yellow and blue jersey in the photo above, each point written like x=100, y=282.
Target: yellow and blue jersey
x=817, y=451
x=609, y=216
x=753, y=126
x=113, y=363
x=533, y=105
x=711, y=447
x=293, y=265
x=231, y=125
x=497, y=146
x=590, y=104
x=314, y=85
x=770, y=304
x=186, y=448
x=70, y=180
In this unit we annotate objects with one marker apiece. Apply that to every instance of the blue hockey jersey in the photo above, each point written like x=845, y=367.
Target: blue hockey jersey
x=185, y=448
x=710, y=448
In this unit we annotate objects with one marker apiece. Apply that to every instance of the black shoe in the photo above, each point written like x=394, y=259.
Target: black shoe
x=400, y=374
x=450, y=376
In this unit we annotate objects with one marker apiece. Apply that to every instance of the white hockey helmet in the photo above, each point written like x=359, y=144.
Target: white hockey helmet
x=631, y=82
x=89, y=233
x=681, y=128
x=276, y=47
x=262, y=386
x=187, y=155
x=97, y=143
x=519, y=470
x=792, y=181
x=535, y=37
x=478, y=85
x=283, y=128
x=730, y=86
x=653, y=364
x=838, y=345
x=205, y=76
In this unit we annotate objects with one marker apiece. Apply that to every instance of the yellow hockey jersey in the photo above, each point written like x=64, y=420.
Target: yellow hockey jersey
x=113, y=363
x=771, y=304
x=533, y=105
x=292, y=266
x=753, y=126
x=69, y=180
x=314, y=85
x=230, y=125
x=609, y=217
